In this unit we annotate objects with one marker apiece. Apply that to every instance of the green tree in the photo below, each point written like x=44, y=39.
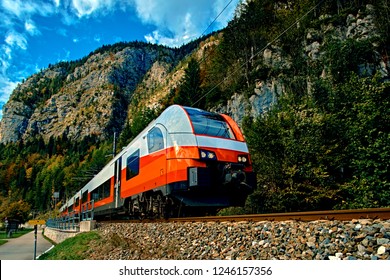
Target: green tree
x=312, y=156
x=291, y=151
x=367, y=126
x=190, y=91
x=343, y=57
x=125, y=137
x=141, y=120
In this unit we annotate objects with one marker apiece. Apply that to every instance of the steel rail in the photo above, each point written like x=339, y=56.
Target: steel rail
x=342, y=215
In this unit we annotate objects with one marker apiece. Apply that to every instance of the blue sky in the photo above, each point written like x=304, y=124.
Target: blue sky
x=36, y=33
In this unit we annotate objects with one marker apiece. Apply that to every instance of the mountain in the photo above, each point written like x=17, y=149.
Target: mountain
x=83, y=98
x=306, y=80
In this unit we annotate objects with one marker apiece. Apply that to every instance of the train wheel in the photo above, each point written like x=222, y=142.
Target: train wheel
x=171, y=209
x=143, y=206
x=161, y=205
x=156, y=205
x=133, y=208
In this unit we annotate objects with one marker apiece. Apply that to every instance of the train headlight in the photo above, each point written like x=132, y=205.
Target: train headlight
x=243, y=159
x=207, y=155
x=211, y=156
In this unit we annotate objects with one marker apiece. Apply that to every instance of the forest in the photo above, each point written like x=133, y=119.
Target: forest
x=323, y=146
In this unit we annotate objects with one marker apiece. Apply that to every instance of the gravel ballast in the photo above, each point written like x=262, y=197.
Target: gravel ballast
x=363, y=239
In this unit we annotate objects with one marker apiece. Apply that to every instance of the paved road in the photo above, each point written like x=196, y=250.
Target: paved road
x=22, y=248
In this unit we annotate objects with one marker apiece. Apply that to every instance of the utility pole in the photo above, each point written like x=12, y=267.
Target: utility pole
x=114, y=146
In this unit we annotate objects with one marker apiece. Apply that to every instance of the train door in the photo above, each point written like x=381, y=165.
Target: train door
x=157, y=163
x=117, y=181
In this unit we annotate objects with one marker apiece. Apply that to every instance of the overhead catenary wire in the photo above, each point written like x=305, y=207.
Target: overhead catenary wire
x=257, y=53
x=204, y=32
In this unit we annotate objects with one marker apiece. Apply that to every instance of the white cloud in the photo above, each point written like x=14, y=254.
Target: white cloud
x=87, y=7
x=4, y=61
x=56, y=3
x=97, y=38
x=7, y=51
x=153, y=39
x=6, y=88
x=17, y=29
x=24, y=9
x=7, y=85
x=31, y=28
x=15, y=39
x=14, y=7
x=178, y=22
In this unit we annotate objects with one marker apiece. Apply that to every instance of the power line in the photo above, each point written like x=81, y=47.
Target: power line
x=216, y=17
x=207, y=55
x=257, y=53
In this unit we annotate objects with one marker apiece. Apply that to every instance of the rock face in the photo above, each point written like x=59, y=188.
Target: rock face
x=289, y=240
x=90, y=99
x=14, y=122
x=265, y=95
x=356, y=27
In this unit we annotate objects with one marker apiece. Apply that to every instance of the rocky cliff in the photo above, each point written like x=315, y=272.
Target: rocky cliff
x=357, y=27
x=91, y=99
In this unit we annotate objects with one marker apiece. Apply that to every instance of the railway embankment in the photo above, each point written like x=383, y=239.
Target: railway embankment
x=362, y=239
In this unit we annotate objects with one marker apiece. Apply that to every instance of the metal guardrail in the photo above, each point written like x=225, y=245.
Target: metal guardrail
x=73, y=219
x=69, y=222
x=87, y=211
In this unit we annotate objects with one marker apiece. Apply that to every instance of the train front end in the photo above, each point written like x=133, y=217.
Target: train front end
x=214, y=160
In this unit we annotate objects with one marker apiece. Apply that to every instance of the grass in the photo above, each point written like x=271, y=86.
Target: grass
x=20, y=232
x=74, y=248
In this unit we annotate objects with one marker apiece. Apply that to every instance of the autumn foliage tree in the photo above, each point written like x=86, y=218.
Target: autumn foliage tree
x=15, y=210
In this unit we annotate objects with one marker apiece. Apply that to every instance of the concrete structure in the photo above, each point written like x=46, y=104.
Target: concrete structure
x=87, y=225
x=59, y=235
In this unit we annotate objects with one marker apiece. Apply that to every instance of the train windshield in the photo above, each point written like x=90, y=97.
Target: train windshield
x=207, y=123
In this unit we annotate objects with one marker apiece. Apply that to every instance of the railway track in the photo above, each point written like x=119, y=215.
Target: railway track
x=342, y=215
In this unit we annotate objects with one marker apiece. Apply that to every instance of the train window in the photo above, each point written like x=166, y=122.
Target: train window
x=77, y=202
x=84, y=197
x=101, y=192
x=155, y=140
x=132, y=168
x=207, y=123
x=107, y=188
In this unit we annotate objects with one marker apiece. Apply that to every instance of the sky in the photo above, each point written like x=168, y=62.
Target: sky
x=36, y=33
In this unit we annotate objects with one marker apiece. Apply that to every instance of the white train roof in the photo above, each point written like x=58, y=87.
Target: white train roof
x=175, y=119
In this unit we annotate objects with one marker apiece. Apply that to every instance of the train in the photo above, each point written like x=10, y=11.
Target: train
x=186, y=160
